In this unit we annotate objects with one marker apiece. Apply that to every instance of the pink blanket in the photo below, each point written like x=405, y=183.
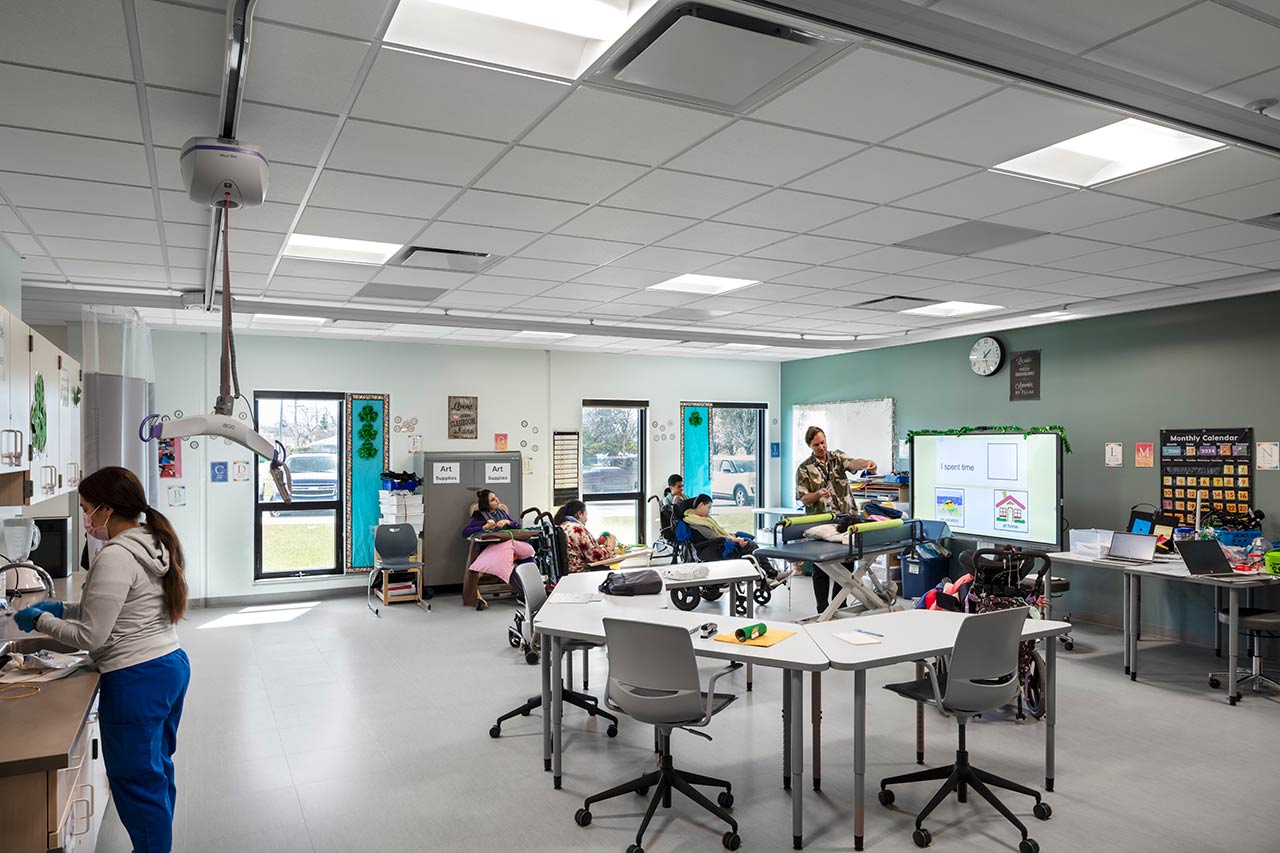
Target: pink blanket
x=499, y=559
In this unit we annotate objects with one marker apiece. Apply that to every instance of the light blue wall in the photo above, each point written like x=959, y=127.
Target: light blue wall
x=1118, y=378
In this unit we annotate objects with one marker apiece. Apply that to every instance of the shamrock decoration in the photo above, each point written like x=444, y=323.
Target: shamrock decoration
x=367, y=450
x=367, y=433
x=368, y=414
x=695, y=420
x=76, y=394
x=39, y=417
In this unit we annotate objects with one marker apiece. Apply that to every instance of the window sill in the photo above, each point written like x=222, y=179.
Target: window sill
x=357, y=580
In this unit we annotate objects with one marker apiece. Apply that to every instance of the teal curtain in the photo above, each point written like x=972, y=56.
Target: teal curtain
x=695, y=448
x=368, y=447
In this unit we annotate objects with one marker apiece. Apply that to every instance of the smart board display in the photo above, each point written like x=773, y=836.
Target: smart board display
x=1003, y=487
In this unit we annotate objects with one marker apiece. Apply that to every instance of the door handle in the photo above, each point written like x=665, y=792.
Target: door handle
x=87, y=817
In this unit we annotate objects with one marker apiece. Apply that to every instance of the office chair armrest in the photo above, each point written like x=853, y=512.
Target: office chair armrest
x=711, y=691
x=937, y=689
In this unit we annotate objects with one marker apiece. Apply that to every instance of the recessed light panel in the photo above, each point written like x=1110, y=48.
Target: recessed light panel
x=290, y=319
x=709, y=285
x=952, y=309
x=318, y=248
x=1110, y=152
x=539, y=336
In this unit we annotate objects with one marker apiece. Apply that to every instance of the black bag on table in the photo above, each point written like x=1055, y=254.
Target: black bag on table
x=644, y=582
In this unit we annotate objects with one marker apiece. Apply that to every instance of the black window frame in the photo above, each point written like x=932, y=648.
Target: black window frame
x=642, y=462
x=762, y=458
x=337, y=505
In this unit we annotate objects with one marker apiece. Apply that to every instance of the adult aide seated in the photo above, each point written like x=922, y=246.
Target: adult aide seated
x=497, y=558
x=583, y=548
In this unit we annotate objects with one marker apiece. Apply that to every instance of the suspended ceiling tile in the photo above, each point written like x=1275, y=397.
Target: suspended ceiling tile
x=965, y=269
x=9, y=220
x=63, y=156
x=1151, y=225
x=891, y=259
x=1244, y=203
x=983, y=194
x=549, y=174
x=1099, y=286
x=1215, y=172
x=763, y=153
x=595, y=293
x=882, y=175
x=1040, y=250
x=85, y=36
x=480, y=207
x=40, y=265
x=69, y=103
x=670, y=260
x=24, y=244
x=724, y=237
x=522, y=287
x=284, y=135
x=296, y=68
x=354, y=225
x=678, y=193
x=1171, y=271
x=1250, y=89
x=189, y=236
x=270, y=216
x=475, y=238
x=69, y=248
x=421, y=277
x=887, y=225
x=623, y=277
x=1008, y=124
x=879, y=93
x=372, y=194
x=759, y=269
x=558, y=306
x=328, y=270
x=1111, y=260
x=812, y=249
x=1261, y=254
x=183, y=48
x=825, y=276
x=1073, y=210
x=1090, y=22
x=634, y=226
x=1200, y=48
x=1230, y=236
x=533, y=268
x=466, y=300
x=453, y=97
x=966, y=291
x=584, y=250
x=355, y=18
x=104, y=269
x=1028, y=277
x=51, y=223
x=620, y=127
x=418, y=155
x=787, y=294
x=790, y=210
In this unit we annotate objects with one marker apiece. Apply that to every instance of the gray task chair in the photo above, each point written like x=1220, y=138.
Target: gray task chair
x=535, y=595
x=396, y=546
x=1256, y=623
x=653, y=678
x=981, y=675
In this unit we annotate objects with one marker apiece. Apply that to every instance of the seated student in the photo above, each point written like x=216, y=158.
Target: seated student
x=583, y=547
x=674, y=493
x=495, y=558
x=699, y=517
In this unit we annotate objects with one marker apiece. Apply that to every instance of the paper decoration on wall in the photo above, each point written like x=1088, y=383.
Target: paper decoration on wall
x=775, y=450
x=500, y=441
x=39, y=417
x=219, y=472
x=1144, y=455
x=177, y=496
x=497, y=472
x=1115, y=454
x=464, y=417
x=405, y=425
x=1215, y=463
x=170, y=458
x=1024, y=375
x=241, y=472
x=1269, y=456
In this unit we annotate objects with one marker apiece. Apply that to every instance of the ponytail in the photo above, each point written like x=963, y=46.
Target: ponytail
x=175, y=580
x=570, y=508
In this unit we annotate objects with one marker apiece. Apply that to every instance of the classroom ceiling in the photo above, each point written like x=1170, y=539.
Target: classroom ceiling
x=593, y=193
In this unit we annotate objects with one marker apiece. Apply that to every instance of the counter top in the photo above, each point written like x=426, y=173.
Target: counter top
x=37, y=734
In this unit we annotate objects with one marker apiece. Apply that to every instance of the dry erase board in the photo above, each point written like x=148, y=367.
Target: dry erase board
x=858, y=427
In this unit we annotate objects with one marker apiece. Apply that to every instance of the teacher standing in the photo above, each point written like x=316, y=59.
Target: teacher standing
x=822, y=487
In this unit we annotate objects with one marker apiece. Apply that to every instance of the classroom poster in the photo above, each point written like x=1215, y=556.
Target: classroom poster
x=500, y=442
x=464, y=417
x=170, y=458
x=1144, y=455
x=1216, y=463
x=1268, y=456
x=1114, y=454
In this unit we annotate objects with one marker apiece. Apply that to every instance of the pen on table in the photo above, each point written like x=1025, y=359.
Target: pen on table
x=868, y=633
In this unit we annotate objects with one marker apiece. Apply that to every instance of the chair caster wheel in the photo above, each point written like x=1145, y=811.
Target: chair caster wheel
x=634, y=848
x=1042, y=811
x=725, y=800
x=582, y=817
x=922, y=838
x=731, y=841
x=514, y=641
x=1214, y=683
x=525, y=713
x=496, y=731
x=612, y=731
x=1068, y=646
x=531, y=658
x=642, y=792
x=886, y=798
x=1028, y=845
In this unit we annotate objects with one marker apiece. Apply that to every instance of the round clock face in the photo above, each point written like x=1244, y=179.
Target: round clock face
x=986, y=356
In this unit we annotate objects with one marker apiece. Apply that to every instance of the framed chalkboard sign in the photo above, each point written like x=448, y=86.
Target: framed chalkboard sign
x=1024, y=375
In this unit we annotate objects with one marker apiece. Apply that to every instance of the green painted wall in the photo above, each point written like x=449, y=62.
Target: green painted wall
x=1118, y=378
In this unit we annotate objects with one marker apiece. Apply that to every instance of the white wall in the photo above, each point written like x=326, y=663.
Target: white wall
x=546, y=389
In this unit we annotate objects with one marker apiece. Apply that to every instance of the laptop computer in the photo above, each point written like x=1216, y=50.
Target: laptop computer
x=1204, y=559
x=1131, y=549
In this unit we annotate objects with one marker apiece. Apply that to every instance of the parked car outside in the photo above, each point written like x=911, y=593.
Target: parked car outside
x=315, y=476
x=608, y=479
x=734, y=478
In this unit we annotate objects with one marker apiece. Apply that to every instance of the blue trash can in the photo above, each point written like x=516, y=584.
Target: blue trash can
x=921, y=575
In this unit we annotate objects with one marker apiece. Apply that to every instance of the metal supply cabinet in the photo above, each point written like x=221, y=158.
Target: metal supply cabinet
x=449, y=485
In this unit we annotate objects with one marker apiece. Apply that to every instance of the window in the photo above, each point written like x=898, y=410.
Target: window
x=303, y=537
x=613, y=467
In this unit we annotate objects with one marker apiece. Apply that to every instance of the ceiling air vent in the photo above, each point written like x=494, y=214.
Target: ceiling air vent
x=453, y=260
x=895, y=303
x=727, y=56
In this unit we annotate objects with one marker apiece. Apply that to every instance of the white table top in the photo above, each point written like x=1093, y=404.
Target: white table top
x=908, y=635
x=777, y=510
x=1171, y=569
x=721, y=572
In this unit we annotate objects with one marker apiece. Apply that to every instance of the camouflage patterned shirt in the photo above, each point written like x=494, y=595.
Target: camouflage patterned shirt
x=813, y=475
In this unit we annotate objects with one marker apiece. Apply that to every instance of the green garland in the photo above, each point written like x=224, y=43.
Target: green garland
x=39, y=417
x=1026, y=431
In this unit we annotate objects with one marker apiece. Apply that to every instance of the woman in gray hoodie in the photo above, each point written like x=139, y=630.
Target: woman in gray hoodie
x=133, y=596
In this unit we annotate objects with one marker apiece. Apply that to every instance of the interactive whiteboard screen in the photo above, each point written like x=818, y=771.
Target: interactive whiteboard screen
x=998, y=486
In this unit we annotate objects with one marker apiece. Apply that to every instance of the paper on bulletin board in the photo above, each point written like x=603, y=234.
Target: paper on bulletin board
x=1144, y=455
x=1268, y=456
x=241, y=471
x=219, y=472
x=500, y=441
x=1115, y=454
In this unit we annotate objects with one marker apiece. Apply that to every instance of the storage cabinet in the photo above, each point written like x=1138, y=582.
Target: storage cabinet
x=36, y=468
x=46, y=439
x=15, y=394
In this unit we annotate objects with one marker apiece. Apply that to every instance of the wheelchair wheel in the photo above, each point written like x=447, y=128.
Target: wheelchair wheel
x=762, y=594
x=686, y=598
x=711, y=593
x=1033, y=687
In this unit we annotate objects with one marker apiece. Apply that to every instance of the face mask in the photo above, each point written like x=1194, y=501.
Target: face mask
x=99, y=533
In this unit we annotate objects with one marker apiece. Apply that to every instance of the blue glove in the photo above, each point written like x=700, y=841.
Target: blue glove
x=54, y=607
x=26, y=619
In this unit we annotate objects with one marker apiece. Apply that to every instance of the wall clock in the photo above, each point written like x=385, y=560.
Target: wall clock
x=986, y=356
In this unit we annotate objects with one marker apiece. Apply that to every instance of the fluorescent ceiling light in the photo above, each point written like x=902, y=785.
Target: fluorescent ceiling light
x=1056, y=315
x=318, y=248
x=1108, y=153
x=743, y=346
x=540, y=336
x=710, y=285
x=949, y=309
x=593, y=19
x=290, y=318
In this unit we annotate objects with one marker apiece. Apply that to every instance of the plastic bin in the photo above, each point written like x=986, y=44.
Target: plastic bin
x=1092, y=541
x=921, y=575
x=1238, y=538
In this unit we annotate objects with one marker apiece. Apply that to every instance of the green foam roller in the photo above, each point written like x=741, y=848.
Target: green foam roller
x=792, y=521
x=868, y=526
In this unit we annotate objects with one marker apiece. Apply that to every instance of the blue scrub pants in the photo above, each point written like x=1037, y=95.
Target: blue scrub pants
x=139, y=708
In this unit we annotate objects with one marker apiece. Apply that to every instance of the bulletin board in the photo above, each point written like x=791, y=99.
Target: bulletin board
x=1217, y=463
x=862, y=428
x=368, y=449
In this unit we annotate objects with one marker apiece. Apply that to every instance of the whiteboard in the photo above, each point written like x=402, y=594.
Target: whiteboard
x=862, y=428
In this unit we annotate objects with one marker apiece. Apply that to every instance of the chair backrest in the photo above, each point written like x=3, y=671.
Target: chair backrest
x=560, y=549
x=395, y=540
x=983, y=671
x=653, y=673
x=535, y=593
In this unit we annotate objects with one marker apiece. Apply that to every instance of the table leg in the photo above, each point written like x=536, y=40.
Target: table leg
x=919, y=720
x=1135, y=624
x=816, y=712
x=557, y=709
x=1050, y=708
x=797, y=760
x=545, y=647
x=1233, y=642
x=1127, y=581
x=751, y=614
x=1217, y=623
x=787, y=717
x=859, y=753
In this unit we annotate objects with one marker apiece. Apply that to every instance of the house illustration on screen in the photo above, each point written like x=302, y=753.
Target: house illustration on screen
x=1010, y=510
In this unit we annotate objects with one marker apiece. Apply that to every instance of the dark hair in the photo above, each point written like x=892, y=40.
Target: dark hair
x=570, y=508
x=673, y=479
x=810, y=434
x=701, y=499
x=120, y=490
x=482, y=500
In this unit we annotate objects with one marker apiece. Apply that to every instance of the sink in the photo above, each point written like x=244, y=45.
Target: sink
x=27, y=645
